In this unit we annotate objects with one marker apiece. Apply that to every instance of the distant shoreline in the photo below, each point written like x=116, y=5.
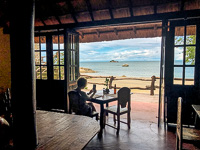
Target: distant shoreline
x=86, y=70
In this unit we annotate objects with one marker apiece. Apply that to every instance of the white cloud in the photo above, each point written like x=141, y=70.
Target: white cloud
x=130, y=49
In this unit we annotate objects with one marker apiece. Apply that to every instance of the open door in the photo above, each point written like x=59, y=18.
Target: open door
x=72, y=59
x=182, y=59
x=161, y=111
x=57, y=68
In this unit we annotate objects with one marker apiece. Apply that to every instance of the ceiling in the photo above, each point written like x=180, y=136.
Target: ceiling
x=98, y=20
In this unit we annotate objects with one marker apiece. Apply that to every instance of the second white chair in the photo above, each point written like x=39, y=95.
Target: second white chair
x=123, y=106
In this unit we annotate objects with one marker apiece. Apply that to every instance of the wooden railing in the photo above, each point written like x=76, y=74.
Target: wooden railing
x=150, y=87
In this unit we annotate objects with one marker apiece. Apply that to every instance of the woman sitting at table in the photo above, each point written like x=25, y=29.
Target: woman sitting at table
x=85, y=108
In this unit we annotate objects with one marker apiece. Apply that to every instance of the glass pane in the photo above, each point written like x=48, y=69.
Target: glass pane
x=44, y=72
x=43, y=42
x=56, y=72
x=62, y=58
x=71, y=58
x=74, y=56
x=69, y=41
x=72, y=73
x=43, y=58
x=191, y=35
x=56, y=57
x=37, y=58
x=43, y=46
x=36, y=43
x=179, y=36
x=55, y=42
x=189, y=75
x=76, y=73
x=62, y=73
x=190, y=55
x=37, y=70
x=75, y=42
x=178, y=55
x=178, y=75
x=36, y=46
x=61, y=40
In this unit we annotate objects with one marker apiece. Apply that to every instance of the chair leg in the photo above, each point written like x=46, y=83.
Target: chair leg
x=97, y=117
x=118, y=124
x=114, y=118
x=129, y=119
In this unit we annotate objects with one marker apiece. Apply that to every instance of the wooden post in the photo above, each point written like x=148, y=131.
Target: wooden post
x=153, y=85
x=110, y=83
x=23, y=82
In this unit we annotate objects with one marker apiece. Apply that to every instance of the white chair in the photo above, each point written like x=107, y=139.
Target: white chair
x=123, y=106
x=183, y=134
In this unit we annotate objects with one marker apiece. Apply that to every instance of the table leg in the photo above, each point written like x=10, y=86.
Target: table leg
x=106, y=106
x=102, y=116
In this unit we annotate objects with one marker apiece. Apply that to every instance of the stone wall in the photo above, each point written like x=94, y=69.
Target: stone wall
x=5, y=61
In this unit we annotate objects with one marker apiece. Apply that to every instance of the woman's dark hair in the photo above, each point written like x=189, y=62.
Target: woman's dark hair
x=81, y=82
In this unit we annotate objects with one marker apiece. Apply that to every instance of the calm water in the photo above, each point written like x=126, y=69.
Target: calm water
x=135, y=69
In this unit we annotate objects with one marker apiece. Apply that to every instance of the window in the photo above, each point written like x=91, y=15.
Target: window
x=184, y=54
x=58, y=57
x=40, y=57
x=73, y=56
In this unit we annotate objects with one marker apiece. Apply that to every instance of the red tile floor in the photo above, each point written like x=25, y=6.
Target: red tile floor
x=144, y=133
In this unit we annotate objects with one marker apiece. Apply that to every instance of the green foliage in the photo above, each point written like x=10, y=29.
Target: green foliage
x=190, y=55
x=106, y=83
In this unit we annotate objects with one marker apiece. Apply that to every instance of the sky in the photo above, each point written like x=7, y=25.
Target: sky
x=139, y=49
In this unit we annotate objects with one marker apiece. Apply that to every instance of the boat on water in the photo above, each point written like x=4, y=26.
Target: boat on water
x=125, y=65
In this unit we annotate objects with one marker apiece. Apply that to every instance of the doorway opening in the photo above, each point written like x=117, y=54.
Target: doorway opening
x=129, y=63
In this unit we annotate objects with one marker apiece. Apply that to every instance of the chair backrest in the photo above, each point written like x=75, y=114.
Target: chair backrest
x=124, y=97
x=179, y=124
x=74, y=102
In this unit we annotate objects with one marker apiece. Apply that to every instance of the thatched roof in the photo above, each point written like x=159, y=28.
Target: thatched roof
x=98, y=20
x=120, y=32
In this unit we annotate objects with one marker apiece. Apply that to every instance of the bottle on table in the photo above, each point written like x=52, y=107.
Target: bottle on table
x=115, y=89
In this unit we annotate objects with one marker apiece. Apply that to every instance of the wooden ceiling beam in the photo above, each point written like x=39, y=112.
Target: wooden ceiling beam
x=42, y=21
x=127, y=21
x=98, y=33
x=89, y=9
x=134, y=29
x=71, y=9
x=110, y=9
x=130, y=7
x=58, y=19
x=155, y=3
x=115, y=30
x=182, y=5
x=81, y=34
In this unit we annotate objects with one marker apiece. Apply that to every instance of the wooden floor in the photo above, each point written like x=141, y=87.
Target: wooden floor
x=60, y=131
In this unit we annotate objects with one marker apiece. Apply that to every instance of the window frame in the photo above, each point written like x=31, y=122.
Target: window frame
x=184, y=65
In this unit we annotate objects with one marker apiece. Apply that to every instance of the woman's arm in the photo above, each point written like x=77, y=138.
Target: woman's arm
x=93, y=93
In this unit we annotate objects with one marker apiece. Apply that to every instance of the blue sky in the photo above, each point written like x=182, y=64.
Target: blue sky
x=139, y=49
